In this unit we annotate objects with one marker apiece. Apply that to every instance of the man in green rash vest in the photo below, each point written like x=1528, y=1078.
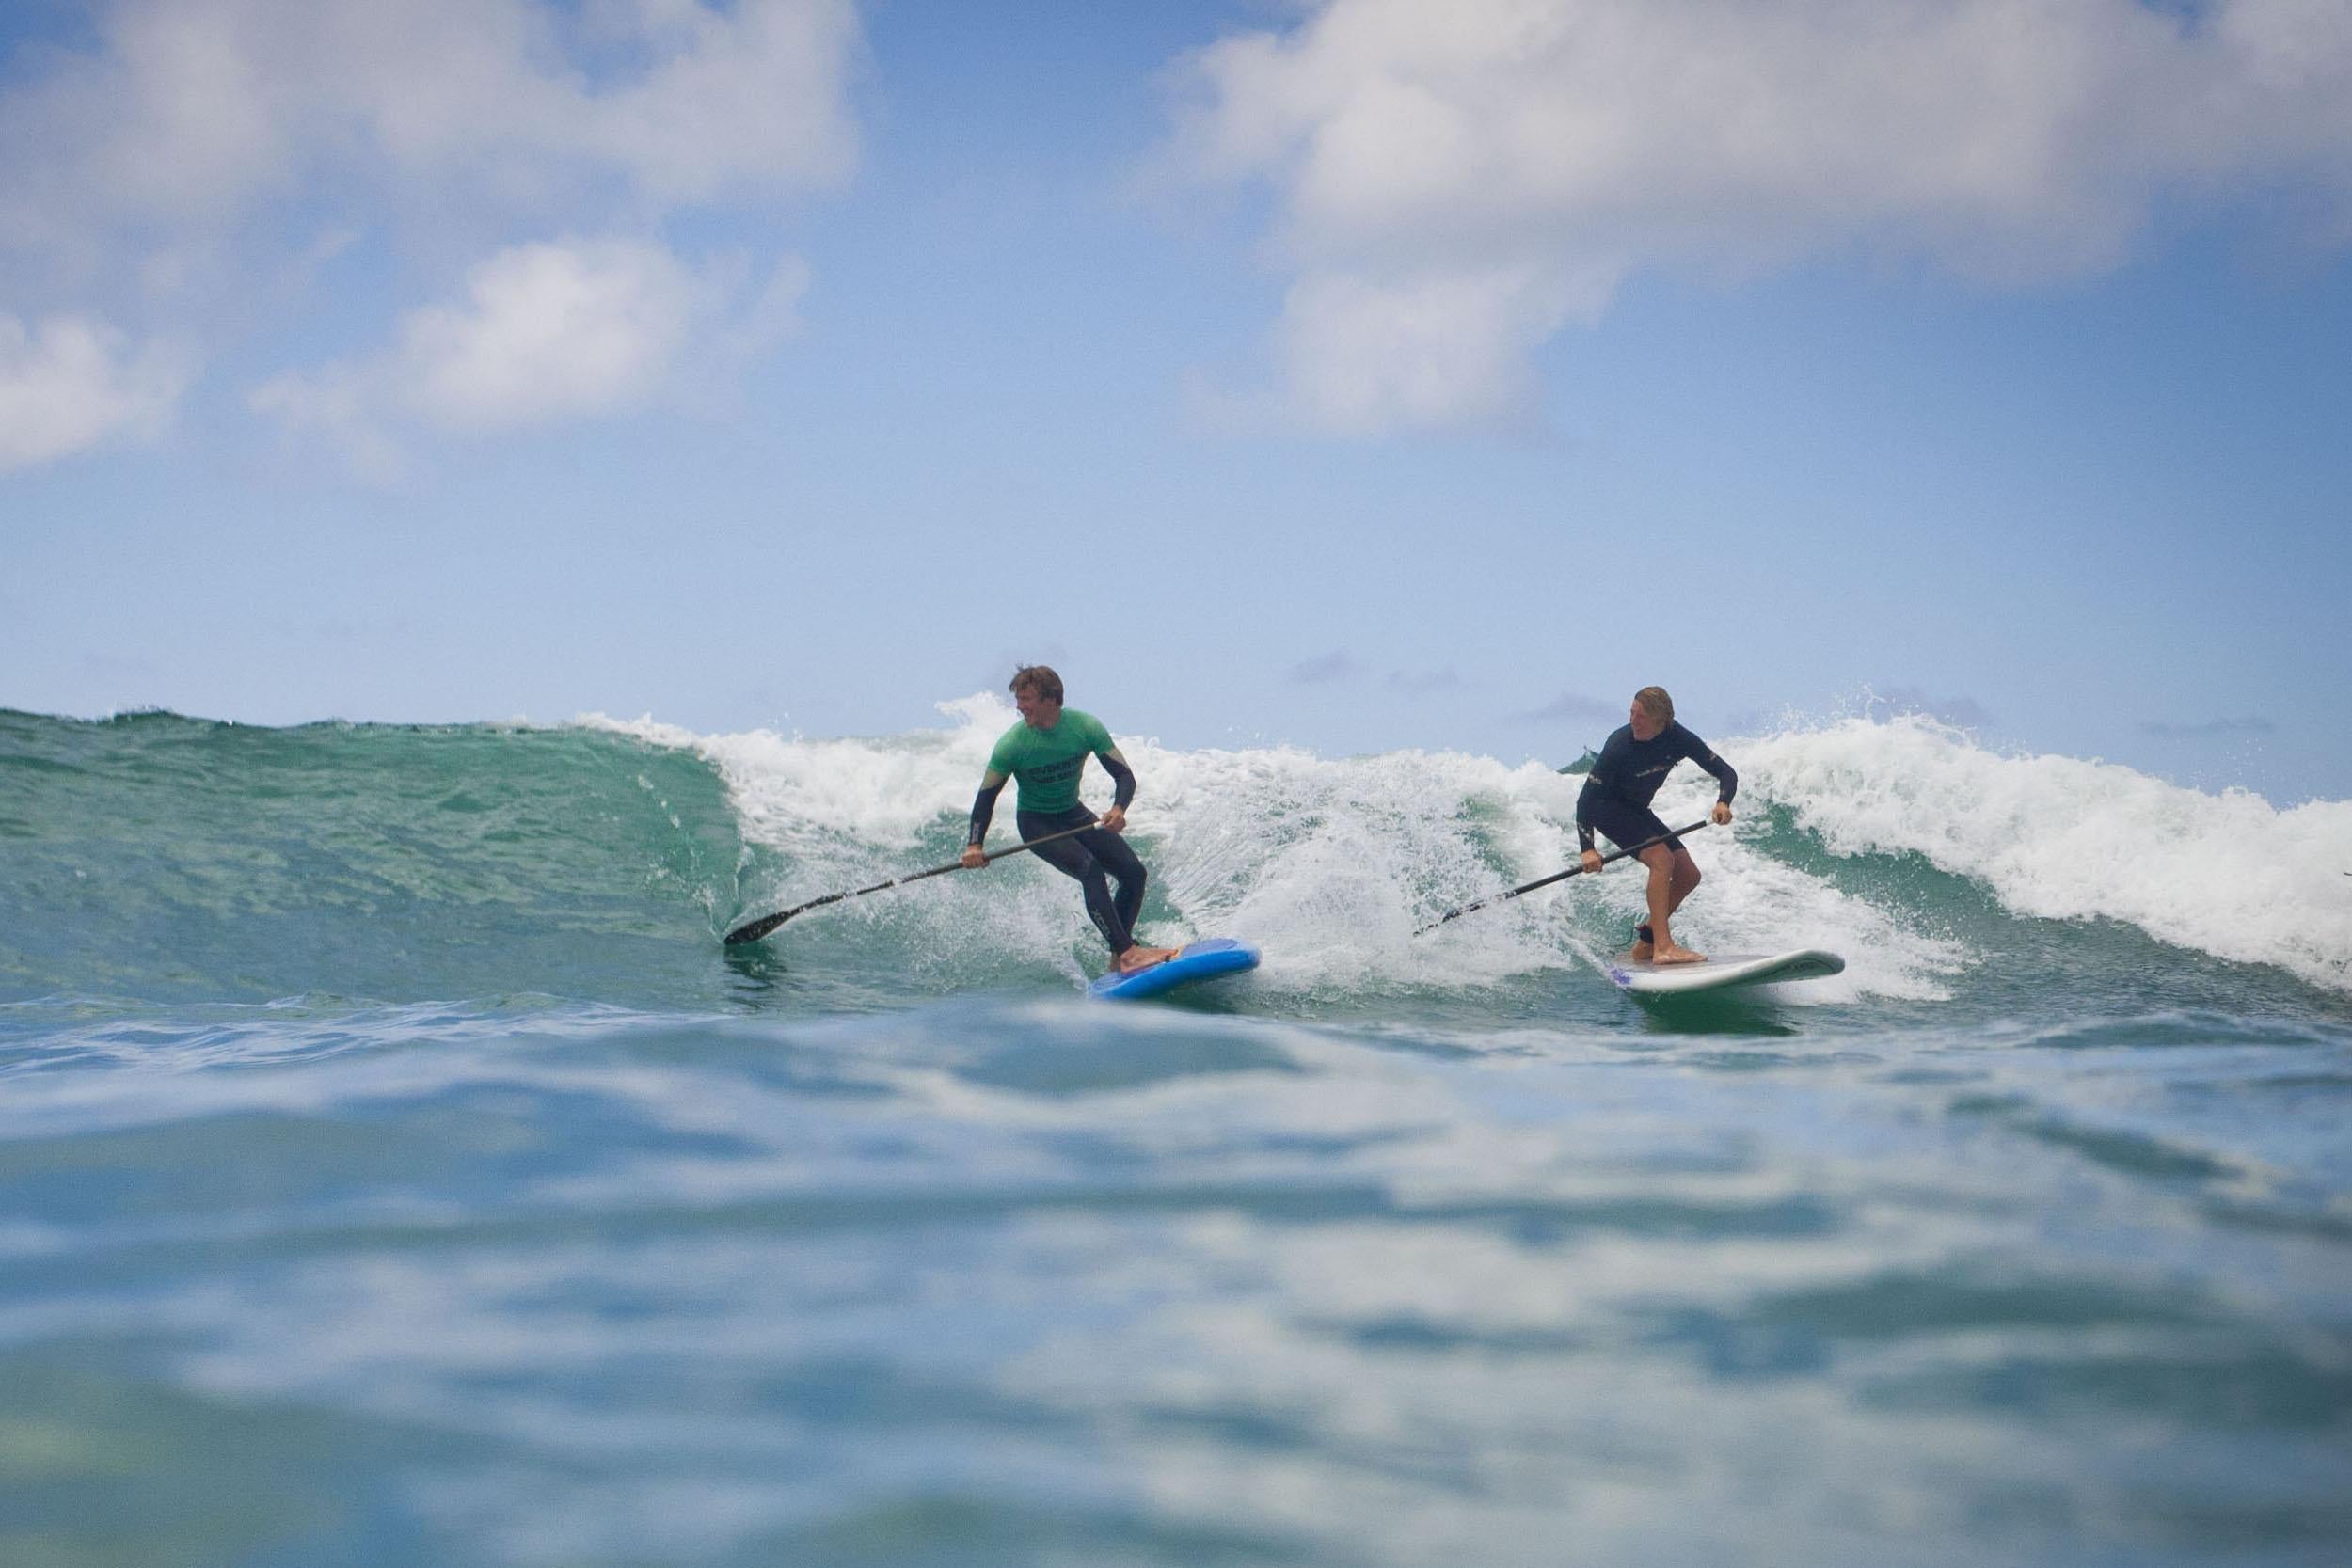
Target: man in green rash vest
x=1046, y=751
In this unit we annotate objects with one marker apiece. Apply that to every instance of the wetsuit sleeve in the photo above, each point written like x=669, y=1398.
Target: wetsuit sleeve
x=1122, y=777
x=1597, y=786
x=1726, y=778
x=984, y=807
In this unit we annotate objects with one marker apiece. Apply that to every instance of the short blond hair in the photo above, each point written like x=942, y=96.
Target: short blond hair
x=1655, y=703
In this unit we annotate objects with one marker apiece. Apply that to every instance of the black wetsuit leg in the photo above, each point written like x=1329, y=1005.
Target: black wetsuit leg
x=1094, y=859
x=1625, y=825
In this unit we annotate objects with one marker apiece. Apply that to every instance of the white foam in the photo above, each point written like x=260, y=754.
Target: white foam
x=2057, y=837
x=1329, y=865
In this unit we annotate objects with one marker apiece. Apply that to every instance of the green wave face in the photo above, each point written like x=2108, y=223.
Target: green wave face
x=167, y=859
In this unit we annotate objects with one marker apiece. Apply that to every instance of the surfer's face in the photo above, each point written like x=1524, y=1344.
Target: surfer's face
x=1645, y=726
x=1039, y=713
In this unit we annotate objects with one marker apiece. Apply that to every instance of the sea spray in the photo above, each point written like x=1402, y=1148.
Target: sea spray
x=1329, y=865
x=2061, y=838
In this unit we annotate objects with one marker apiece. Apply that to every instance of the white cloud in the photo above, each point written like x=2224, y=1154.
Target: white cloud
x=188, y=113
x=548, y=331
x=1455, y=184
x=70, y=383
x=545, y=332
x=1362, y=355
x=181, y=166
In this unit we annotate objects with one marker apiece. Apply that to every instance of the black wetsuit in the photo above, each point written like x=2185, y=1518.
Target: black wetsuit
x=1622, y=783
x=1089, y=856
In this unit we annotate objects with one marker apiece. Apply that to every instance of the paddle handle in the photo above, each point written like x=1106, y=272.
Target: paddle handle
x=753, y=929
x=1576, y=870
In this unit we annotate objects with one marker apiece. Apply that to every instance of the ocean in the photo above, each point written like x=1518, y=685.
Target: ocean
x=395, y=1168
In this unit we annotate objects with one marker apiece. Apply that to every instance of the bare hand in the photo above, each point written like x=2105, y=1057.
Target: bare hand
x=1722, y=813
x=1113, y=821
x=974, y=856
x=1591, y=860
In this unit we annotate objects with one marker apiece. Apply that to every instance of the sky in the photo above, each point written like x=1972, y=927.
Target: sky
x=1358, y=374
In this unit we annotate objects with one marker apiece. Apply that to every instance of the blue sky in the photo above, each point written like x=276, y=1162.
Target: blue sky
x=1363, y=375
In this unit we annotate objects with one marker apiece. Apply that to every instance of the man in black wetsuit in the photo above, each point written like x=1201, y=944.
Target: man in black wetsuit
x=1633, y=763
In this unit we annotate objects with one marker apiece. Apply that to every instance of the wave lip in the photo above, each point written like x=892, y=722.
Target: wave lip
x=2061, y=838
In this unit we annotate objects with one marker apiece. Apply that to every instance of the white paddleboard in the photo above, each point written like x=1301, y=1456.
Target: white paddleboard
x=1728, y=969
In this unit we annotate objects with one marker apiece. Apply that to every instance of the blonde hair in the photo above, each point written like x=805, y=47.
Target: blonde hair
x=1655, y=703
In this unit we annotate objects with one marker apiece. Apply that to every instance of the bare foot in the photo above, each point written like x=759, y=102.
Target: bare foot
x=1674, y=953
x=1144, y=958
x=1640, y=952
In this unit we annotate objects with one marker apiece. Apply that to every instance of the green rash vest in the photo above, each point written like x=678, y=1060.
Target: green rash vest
x=1047, y=763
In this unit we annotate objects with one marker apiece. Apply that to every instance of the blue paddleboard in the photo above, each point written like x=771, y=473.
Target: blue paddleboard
x=1204, y=959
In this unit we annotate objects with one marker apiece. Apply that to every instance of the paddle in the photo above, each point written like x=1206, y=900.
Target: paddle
x=1576, y=870
x=752, y=930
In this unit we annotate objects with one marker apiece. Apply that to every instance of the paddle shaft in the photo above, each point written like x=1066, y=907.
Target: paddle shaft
x=754, y=929
x=1576, y=870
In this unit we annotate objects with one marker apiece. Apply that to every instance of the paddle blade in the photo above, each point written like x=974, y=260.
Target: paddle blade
x=752, y=930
